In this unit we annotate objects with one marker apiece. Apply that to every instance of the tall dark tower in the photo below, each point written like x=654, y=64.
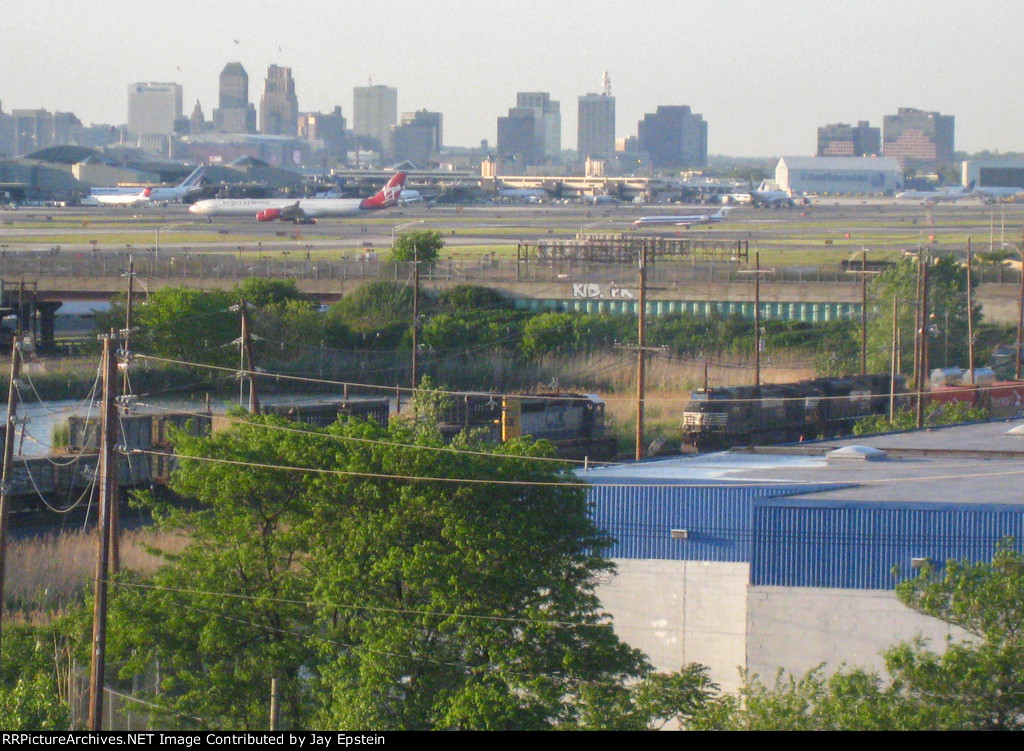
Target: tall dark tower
x=279, y=108
x=235, y=114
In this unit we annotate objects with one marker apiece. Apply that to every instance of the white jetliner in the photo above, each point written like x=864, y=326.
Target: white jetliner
x=761, y=197
x=303, y=210
x=991, y=194
x=118, y=199
x=687, y=221
x=938, y=195
x=138, y=197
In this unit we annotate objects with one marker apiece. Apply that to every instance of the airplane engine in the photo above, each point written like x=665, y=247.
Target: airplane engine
x=268, y=215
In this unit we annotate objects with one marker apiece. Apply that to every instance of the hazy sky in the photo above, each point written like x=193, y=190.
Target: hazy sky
x=764, y=74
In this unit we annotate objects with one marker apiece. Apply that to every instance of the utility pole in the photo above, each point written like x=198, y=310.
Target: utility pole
x=1020, y=319
x=924, y=345
x=757, y=271
x=970, y=314
x=275, y=711
x=892, y=365
x=246, y=341
x=126, y=336
x=415, y=316
x=757, y=320
x=108, y=479
x=863, y=311
x=5, y=483
x=641, y=355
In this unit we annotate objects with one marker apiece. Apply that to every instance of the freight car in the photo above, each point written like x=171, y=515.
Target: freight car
x=574, y=423
x=718, y=418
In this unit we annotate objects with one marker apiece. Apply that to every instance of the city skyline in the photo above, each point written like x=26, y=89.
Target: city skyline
x=764, y=77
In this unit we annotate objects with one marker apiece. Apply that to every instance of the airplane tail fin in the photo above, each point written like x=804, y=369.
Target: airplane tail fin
x=193, y=179
x=147, y=192
x=388, y=195
x=970, y=186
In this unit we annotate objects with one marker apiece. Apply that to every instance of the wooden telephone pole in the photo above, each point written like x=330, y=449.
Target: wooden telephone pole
x=5, y=483
x=108, y=480
x=246, y=348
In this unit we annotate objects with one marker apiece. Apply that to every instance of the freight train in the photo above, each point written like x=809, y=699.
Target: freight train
x=719, y=418
x=574, y=423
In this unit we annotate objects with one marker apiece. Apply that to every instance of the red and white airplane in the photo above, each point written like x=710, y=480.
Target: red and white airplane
x=303, y=210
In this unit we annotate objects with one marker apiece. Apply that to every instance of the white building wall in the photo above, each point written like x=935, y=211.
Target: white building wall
x=678, y=612
x=799, y=628
x=838, y=175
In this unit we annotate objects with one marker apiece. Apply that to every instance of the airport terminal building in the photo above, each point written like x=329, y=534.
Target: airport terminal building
x=803, y=175
x=787, y=558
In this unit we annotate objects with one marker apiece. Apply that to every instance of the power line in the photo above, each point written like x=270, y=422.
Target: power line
x=374, y=442
x=368, y=608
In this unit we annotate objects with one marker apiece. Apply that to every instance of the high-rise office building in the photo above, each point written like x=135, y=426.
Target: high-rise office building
x=279, y=107
x=327, y=132
x=596, y=126
x=426, y=119
x=674, y=137
x=374, y=111
x=235, y=113
x=25, y=131
x=843, y=139
x=153, y=108
x=548, y=129
x=926, y=137
x=517, y=139
x=417, y=137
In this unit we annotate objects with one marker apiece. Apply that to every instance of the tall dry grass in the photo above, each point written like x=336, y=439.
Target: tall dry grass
x=46, y=575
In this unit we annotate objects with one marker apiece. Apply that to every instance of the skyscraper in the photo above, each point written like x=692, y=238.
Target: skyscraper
x=915, y=134
x=548, y=128
x=595, y=134
x=374, y=111
x=675, y=137
x=327, y=132
x=235, y=114
x=153, y=108
x=842, y=139
x=417, y=136
x=279, y=108
x=517, y=139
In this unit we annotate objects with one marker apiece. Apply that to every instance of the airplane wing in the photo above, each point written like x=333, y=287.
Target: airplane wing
x=290, y=213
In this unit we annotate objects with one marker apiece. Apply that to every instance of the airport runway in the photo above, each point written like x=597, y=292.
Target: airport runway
x=881, y=224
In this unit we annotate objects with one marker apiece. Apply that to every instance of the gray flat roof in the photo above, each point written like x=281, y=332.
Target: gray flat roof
x=974, y=464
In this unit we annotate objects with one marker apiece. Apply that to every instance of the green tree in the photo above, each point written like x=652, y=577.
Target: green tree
x=979, y=681
x=375, y=314
x=424, y=244
x=380, y=592
x=947, y=308
x=847, y=700
x=262, y=293
x=180, y=323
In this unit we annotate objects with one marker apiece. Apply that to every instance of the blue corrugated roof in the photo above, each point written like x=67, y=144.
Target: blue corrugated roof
x=788, y=541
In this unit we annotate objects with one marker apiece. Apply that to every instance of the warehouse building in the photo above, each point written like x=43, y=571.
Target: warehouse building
x=802, y=175
x=995, y=172
x=770, y=561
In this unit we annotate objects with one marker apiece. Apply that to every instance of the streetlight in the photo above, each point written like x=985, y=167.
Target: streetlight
x=403, y=226
x=164, y=229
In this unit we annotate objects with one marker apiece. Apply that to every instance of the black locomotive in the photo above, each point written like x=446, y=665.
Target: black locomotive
x=719, y=418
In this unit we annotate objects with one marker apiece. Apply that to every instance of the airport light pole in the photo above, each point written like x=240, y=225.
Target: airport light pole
x=403, y=226
x=156, y=246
